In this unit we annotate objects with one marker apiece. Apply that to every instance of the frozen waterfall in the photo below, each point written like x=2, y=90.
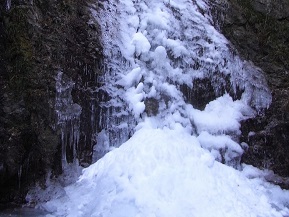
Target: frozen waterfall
x=167, y=156
x=153, y=49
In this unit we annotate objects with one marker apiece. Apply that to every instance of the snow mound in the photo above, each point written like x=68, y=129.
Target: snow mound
x=165, y=173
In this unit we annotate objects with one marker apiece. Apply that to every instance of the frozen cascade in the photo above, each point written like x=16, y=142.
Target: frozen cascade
x=154, y=48
x=115, y=119
x=68, y=116
x=179, y=160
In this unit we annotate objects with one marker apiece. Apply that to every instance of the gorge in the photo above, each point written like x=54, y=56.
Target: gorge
x=79, y=79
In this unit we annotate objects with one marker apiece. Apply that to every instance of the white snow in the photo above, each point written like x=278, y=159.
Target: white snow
x=221, y=145
x=134, y=97
x=176, y=47
x=163, y=172
x=221, y=115
x=131, y=78
x=141, y=43
x=173, y=163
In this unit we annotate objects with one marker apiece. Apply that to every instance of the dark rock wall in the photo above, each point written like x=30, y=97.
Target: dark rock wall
x=39, y=38
x=259, y=30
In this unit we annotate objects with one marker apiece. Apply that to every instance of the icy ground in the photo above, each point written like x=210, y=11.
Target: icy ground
x=180, y=161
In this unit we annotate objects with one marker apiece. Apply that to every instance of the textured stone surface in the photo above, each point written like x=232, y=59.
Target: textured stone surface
x=259, y=30
x=37, y=39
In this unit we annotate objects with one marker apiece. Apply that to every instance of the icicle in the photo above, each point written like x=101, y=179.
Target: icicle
x=102, y=145
x=8, y=5
x=68, y=116
x=63, y=147
x=19, y=176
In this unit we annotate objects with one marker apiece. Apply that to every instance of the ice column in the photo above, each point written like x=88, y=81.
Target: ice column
x=68, y=117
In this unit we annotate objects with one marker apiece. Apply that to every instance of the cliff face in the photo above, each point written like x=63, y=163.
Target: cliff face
x=259, y=29
x=38, y=40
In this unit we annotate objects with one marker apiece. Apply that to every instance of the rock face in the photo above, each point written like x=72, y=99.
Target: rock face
x=259, y=30
x=38, y=40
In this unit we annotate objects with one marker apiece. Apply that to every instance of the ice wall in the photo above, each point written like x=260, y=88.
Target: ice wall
x=153, y=49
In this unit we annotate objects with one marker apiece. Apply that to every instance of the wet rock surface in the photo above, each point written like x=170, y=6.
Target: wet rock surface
x=259, y=30
x=37, y=40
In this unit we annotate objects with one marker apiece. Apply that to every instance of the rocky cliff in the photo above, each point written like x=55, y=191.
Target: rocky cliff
x=259, y=30
x=39, y=40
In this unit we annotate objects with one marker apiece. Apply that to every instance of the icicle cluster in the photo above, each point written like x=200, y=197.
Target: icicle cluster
x=68, y=117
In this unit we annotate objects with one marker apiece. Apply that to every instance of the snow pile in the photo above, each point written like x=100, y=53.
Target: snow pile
x=163, y=172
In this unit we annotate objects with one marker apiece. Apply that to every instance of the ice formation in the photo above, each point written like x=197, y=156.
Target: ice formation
x=178, y=160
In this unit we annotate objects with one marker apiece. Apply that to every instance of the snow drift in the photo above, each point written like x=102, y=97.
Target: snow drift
x=164, y=172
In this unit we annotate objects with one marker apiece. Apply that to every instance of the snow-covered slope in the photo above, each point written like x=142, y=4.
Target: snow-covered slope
x=180, y=161
x=166, y=173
